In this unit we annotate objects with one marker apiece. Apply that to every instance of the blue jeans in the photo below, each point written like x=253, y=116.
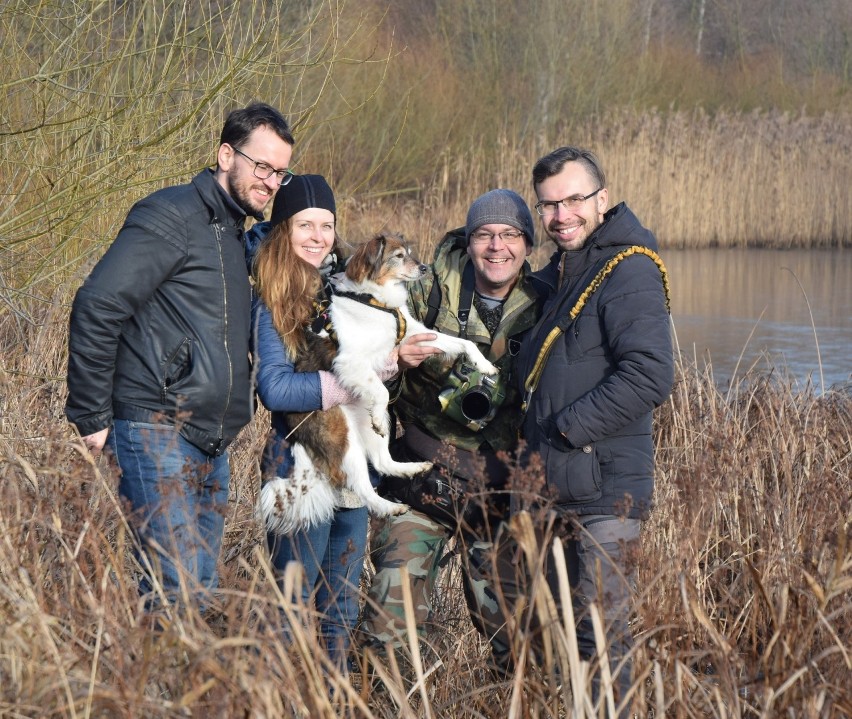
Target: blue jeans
x=178, y=497
x=332, y=555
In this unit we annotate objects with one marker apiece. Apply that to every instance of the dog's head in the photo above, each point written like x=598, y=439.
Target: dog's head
x=384, y=259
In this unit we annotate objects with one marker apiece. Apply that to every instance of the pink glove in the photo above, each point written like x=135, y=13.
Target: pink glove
x=333, y=393
x=390, y=369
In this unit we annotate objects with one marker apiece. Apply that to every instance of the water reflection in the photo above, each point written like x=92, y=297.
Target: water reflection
x=739, y=309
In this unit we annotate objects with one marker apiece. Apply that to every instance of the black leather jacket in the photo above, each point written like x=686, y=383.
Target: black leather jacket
x=160, y=329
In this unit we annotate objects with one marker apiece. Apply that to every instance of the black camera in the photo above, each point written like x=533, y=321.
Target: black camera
x=470, y=397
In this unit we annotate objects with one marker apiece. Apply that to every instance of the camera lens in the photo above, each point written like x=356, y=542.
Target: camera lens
x=476, y=404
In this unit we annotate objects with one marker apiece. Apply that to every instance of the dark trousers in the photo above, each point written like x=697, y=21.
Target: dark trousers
x=598, y=552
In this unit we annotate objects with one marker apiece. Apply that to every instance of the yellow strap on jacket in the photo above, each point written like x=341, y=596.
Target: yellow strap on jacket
x=532, y=380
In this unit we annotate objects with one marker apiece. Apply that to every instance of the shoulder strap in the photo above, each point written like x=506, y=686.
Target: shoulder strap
x=534, y=376
x=466, y=297
x=434, y=302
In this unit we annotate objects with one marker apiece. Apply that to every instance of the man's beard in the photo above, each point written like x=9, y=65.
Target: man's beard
x=240, y=196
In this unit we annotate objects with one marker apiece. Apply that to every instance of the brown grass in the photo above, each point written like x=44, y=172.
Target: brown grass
x=106, y=105
x=743, y=608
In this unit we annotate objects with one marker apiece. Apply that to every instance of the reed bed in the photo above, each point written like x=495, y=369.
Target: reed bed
x=107, y=103
x=762, y=179
x=743, y=606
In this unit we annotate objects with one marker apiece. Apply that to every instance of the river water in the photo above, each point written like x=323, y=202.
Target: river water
x=787, y=311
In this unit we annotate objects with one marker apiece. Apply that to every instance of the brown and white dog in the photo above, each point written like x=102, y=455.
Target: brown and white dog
x=331, y=449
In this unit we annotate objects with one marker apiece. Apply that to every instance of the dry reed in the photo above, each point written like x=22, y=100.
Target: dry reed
x=743, y=606
x=763, y=179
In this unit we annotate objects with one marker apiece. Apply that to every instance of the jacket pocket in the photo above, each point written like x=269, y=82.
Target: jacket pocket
x=177, y=366
x=573, y=472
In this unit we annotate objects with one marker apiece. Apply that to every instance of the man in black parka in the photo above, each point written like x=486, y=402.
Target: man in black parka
x=591, y=389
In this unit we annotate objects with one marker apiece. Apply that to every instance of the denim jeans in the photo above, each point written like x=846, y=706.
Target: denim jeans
x=332, y=555
x=178, y=498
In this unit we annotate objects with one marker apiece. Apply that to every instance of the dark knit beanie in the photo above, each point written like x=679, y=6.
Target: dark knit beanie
x=500, y=207
x=302, y=192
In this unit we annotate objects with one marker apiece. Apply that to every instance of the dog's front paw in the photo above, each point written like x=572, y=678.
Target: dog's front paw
x=483, y=365
x=381, y=507
x=407, y=469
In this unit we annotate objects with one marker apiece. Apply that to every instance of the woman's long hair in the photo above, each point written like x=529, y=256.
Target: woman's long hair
x=287, y=284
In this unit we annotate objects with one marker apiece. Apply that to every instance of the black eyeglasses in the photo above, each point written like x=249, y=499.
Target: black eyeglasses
x=263, y=170
x=575, y=202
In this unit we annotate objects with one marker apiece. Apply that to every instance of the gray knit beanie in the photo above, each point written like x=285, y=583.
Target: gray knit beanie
x=502, y=207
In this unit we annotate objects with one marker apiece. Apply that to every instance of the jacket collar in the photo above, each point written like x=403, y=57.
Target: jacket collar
x=221, y=205
x=620, y=228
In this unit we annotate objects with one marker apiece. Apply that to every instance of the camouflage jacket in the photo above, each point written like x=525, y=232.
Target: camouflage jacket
x=417, y=402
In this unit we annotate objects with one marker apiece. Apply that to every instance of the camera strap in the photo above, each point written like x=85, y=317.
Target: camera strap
x=465, y=300
x=534, y=376
x=433, y=302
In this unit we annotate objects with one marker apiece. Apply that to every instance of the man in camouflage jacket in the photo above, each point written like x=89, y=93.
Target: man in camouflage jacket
x=488, y=256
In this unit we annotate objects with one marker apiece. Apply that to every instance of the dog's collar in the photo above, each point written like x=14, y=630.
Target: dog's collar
x=322, y=321
x=371, y=301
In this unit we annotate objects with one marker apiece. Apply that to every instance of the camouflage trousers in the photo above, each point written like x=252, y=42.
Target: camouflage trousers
x=418, y=543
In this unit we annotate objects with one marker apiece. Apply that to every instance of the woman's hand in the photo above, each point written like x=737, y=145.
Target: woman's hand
x=333, y=393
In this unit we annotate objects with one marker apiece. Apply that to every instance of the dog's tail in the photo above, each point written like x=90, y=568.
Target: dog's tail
x=300, y=501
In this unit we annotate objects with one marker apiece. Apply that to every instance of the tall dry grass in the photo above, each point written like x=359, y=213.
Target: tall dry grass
x=105, y=101
x=743, y=607
x=763, y=179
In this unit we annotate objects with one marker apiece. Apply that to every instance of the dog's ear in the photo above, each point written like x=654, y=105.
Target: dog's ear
x=377, y=255
x=367, y=260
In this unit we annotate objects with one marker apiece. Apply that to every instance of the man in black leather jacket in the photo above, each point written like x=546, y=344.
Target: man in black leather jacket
x=158, y=362
x=593, y=369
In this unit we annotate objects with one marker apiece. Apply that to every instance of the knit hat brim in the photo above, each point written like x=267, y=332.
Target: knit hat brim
x=302, y=192
x=500, y=207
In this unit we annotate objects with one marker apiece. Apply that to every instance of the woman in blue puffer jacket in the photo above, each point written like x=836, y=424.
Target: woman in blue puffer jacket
x=292, y=257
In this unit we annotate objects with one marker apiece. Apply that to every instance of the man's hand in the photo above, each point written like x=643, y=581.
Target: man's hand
x=95, y=442
x=412, y=353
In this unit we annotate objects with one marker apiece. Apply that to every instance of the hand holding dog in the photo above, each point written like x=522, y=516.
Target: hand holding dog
x=412, y=353
x=333, y=393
